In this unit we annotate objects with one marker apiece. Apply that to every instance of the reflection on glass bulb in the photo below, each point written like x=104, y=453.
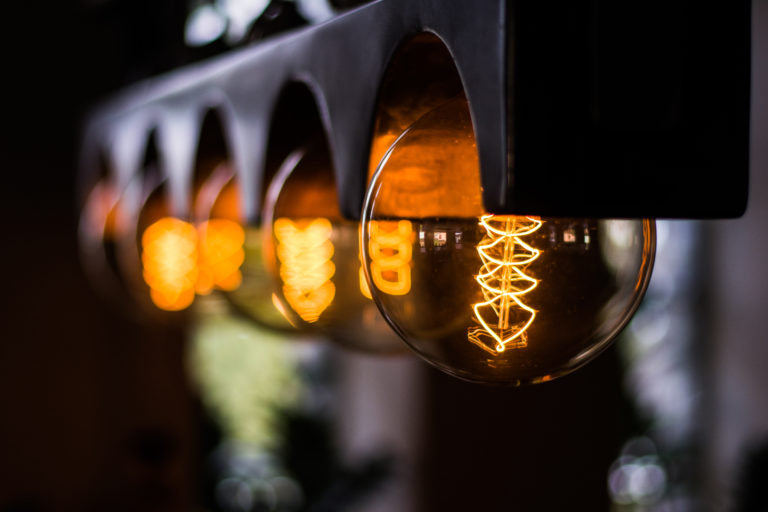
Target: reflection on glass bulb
x=255, y=297
x=314, y=255
x=390, y=250
x=501, y=299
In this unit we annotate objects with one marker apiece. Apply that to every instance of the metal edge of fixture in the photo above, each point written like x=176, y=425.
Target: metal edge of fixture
x=579, y=109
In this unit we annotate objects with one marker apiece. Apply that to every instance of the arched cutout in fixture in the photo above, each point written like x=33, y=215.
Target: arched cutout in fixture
x=217, y=212
x=214, y=181
x=295, y=121
x=153, y=200
x=421, y=76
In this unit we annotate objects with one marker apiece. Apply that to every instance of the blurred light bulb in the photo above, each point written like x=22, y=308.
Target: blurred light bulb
x=169, y=258
x=305, y=252
x=181, y=258
x=231, y=253
x=221, y=236
x=502, y=299
x=313, y=253
x=220, y=254
x=254, y=297
x=103, y=224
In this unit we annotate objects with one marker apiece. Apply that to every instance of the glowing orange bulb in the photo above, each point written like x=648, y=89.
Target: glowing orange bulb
x=220, y=255
x=503, y=317
x=305, y=251
x=169, y=257
x=503, y=300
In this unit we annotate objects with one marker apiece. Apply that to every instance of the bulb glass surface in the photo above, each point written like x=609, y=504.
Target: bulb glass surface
x=503, y=299
x=314, y=256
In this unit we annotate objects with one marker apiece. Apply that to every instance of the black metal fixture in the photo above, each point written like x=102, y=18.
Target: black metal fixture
x=574, y=110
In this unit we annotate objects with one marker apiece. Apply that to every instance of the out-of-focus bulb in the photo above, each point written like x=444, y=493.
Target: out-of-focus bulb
x=103, y=224
x=231, y=257
x=220, y=233
x=220, y=254
x=314, y=256
x=501, y=299
x=305, y=252
x=169, y=259
x=181, y=258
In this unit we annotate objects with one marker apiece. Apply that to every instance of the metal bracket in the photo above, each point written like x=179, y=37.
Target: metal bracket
x=579, y=108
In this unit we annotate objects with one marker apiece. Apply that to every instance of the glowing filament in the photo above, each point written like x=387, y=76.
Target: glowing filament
x=390, y=249
x=169, y=258
x=503, y=317
x=179, y=260
x=220, y=255
x=305, y=251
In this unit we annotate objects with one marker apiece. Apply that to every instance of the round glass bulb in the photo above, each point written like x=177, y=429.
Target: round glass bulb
x=315, y=258
x=501, y=299
x=102, y=224
x=255, y=297
x=246, y=284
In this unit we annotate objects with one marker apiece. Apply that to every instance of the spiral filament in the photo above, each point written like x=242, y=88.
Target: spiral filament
x=179, y=260
x=169, y=259
x=391, y=253
x=220, y=255
x=305, y=251
x=503, y=316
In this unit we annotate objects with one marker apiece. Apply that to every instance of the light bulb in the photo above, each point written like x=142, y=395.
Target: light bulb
x=168, y=253
x=231, y=254
x=169, y=259
x=102, y=224
x=220, y=233
x=255, y=296
x=314, y=256
x=502, y=299
x=182, y=258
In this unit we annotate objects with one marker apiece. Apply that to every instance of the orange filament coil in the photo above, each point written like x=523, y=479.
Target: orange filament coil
x=220, y=255
x=169, y=258
x=503, y=316
x=306, y=268
x=391, y=253
x=179, y=260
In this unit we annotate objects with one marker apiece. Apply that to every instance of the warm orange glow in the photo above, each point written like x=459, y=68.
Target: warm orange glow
x=179, y=260
x=390, y=248
x=169, y=258
x=220, y=254
x=503, y=317
x=306, y=268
